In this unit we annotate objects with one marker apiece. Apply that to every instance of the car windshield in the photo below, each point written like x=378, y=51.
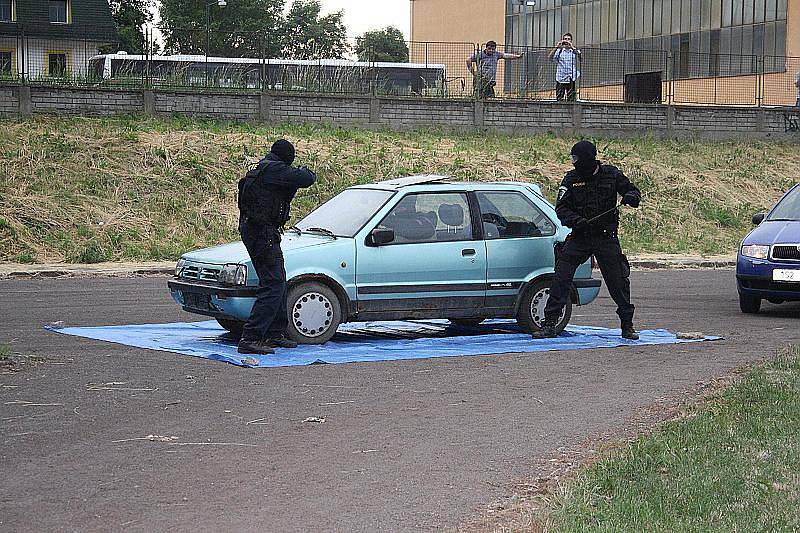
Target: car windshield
x=788, y=208
x=347, y=212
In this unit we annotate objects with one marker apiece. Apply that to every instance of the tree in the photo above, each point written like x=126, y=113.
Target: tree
x=130, y=17
x=387, y=44
x=242, y=28
x=306, y=35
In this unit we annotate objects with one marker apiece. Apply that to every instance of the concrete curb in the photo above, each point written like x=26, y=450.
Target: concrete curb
x=57, y=270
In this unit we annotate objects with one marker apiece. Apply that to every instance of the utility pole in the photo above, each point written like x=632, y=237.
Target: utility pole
x=525, y=4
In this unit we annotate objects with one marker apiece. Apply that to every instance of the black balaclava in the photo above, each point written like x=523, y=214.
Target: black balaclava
x=284, y=150
x=584, y=157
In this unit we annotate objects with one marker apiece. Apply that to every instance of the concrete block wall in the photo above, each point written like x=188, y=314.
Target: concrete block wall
x=84, y=101
x=710, y=120
x=9, y=101
x=624, y=117
x=330, y=109
x=405, y=113
x=220, y=106
x=517, y=115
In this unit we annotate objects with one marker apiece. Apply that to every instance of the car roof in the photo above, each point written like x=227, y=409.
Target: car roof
x=434, y=182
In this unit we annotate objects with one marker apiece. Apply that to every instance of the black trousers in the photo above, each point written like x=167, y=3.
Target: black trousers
x=613, y=266
x=565, y=91
x=269, y=318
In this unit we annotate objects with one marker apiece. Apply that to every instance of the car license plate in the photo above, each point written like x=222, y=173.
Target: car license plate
x=196, y=300
x=782, y=274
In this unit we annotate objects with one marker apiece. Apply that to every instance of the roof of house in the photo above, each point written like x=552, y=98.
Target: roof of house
x=90, y=20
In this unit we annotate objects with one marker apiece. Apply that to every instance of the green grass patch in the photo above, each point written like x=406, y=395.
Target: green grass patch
x=144, y=188
x=732, y=464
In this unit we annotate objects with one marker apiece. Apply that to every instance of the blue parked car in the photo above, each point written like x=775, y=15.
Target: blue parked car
x=768, y=263
x=409, y=248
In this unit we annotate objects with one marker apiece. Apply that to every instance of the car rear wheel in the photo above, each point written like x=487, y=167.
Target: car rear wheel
x=531, y=310
x=234, y=326
x=749, y=304
x=314, y=313
x=466, y=322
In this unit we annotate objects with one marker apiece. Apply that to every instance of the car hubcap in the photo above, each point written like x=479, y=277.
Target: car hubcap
x=312, y=314
x=538, y=303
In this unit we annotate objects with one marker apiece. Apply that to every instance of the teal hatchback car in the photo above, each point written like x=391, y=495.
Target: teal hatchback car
x=411, y=248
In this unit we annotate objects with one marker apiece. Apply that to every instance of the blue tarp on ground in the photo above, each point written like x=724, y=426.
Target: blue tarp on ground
x=368, y=341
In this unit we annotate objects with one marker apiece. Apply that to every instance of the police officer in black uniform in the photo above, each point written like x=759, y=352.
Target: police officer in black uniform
x=264, y=197
x=587, y=201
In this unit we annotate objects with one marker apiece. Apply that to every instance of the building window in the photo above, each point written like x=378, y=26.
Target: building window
x=59, y=11
x=6, y=65
x=57, y=64
x=7, y=13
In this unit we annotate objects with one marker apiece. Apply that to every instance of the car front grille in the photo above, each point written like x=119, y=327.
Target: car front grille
x=790, y=252
x=200, y=273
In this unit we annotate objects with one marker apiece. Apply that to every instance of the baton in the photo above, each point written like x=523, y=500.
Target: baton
x=604, y=213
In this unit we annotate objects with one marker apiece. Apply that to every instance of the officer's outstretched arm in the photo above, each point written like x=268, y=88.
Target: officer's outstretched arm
x=631, y=195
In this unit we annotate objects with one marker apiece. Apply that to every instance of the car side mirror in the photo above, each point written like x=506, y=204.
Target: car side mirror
x=380, y=236
x=758, y=218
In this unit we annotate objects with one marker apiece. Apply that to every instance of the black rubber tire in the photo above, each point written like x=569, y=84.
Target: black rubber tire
x=749, y=304
x=234, y=326
x=525, y=316
x=326, y=309
x=466, y=322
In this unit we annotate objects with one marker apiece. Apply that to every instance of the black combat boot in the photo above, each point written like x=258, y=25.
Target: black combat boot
x=253, y=346
x=281, y=342
x=629, y=333
x=548, y=331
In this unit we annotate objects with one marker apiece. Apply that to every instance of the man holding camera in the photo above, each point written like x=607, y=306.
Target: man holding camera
x=483, y=66
x=566, y=58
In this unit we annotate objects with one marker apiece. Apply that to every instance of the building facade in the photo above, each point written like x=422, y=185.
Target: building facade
x=42, y=39
x=671, y=39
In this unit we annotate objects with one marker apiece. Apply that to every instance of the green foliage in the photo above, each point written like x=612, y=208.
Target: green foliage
x=183, y=23
x=387, y=44
x=307, y=35
x=130, y=16
x=263, y=29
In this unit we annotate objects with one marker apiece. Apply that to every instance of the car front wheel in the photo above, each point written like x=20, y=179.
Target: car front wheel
x=531, y=310
x=749, y=304
x=314, y=313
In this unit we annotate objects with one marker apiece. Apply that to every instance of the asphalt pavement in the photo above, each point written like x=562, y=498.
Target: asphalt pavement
x=98, y=436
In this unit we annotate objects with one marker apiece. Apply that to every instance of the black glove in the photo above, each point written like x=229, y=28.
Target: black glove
x=581, y=224
x=631, y=198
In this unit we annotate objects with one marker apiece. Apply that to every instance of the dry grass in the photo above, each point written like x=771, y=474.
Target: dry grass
x=89, y=190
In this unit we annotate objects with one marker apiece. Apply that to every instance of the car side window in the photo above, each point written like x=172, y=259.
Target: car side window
x=508, y=215
x=430, y=217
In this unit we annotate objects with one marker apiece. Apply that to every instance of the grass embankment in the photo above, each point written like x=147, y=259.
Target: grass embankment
x=90, y=190
x=731, y=464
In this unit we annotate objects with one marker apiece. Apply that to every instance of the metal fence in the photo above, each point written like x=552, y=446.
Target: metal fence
x=249, y=61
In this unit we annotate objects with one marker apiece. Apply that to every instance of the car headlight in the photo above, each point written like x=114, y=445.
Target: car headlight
x=179, y=267
x=759, y=251
x=233, y=274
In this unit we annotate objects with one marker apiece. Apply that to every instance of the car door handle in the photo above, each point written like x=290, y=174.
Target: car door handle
x=467, y=252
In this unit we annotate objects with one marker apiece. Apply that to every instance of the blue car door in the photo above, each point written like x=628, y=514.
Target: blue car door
x=433, y=264
x=519, y=243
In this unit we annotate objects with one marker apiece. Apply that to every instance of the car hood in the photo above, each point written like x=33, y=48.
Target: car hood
x=775, y=232
x=235, y=252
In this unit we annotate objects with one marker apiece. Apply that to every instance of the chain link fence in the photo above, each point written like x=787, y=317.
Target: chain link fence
x=248, y=61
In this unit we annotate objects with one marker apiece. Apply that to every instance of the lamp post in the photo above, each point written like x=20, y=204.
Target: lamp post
x=220, y=3
x=525, y=4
